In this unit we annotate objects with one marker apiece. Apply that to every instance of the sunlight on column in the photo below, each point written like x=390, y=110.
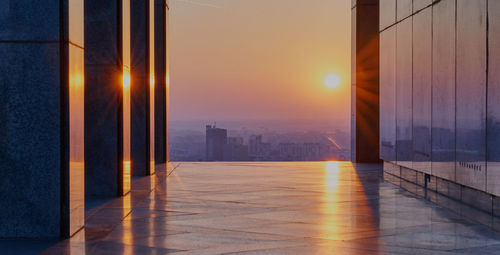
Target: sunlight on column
x=126, y=102
x=126, y=78
x=127, y=166
x=126, y=118
x=152, y=124
x=76, y=139
x=152, y=81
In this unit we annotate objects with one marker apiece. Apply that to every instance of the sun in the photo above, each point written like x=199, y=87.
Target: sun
x=332, y=81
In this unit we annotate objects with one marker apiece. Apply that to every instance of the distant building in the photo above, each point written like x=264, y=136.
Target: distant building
x=216, y=140
x=235, y=150
x=257, y=150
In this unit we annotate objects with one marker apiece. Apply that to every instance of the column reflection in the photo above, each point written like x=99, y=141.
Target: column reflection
x=127, y=236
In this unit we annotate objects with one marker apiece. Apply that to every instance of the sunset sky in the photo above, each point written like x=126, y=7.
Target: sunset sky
x=259, y=59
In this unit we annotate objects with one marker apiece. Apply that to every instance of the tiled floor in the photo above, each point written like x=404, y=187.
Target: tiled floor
x=271, y=208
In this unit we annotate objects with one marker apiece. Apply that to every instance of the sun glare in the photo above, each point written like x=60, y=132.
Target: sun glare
x=332, y=81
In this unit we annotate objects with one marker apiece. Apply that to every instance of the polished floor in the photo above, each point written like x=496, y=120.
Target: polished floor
x=270, y=208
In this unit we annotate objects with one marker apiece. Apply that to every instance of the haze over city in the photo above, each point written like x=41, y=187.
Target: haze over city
x=260, y=60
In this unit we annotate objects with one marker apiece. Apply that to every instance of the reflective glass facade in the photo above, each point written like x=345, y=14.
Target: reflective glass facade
x=438, y=84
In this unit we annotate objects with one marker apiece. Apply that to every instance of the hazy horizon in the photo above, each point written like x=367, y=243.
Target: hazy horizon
x=259, y=60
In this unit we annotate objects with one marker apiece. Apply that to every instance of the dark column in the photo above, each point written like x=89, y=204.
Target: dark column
x=167, y=80
x=139, y=87
x=365, y=81
x=160, y=95
x=41, y=118
x=104, y=146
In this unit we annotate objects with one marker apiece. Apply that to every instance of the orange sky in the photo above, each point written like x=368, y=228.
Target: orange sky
x=259, y=59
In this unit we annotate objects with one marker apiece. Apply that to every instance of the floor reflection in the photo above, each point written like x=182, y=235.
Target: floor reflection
x=275, y=208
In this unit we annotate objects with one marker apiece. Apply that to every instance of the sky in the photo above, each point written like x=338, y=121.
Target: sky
x=259, y=59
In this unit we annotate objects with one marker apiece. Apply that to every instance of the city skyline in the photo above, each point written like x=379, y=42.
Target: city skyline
x=243, y=143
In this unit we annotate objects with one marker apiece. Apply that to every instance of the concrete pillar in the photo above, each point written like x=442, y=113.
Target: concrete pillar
x=167, y=80
x=142, y=87
x=41, y=118
x=365, y=81
x=160, y=68
x=106, y=23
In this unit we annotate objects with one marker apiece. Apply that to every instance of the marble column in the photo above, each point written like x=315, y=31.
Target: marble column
x=365, y=81
x=107, y=79
x=41, y=118
x=142, y=87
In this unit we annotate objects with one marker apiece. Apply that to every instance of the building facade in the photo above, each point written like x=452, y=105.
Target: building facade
x=439, y=96
x=216, y=141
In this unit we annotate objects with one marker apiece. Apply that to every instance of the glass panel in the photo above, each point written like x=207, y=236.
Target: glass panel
x=422, y=93
x=493, y=173
x=151, y=86
x=387, y=95
x=387, y=13
x=404, y=8
x=127, y=164
x=443, y=90
x=421, y=4
x=404, y=135
x=471, y=93
x=167, y=81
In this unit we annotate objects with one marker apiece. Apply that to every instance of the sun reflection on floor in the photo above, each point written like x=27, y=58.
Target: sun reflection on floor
x=330, y=197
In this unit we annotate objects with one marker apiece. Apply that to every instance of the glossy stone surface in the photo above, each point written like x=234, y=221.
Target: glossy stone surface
x=404, y=102
x=23, y=20
x=273, y=208
x=493, y=115
x=471, y=93
x=103, y=94
x=422, y=90
x=387, y=13
x=388, y=95
x=420, y=4
x=139, y=89
x=404, y=9
x=443, y=90
x=29, y=140
x=41, y=118
x=160, y=94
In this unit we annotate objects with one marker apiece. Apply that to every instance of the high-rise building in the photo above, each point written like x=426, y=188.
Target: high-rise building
x=235, y=150
x=216, y=140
